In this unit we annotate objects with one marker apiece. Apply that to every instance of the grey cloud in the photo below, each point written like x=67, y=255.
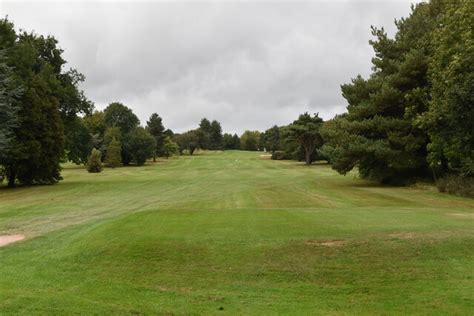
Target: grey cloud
x=248, y=65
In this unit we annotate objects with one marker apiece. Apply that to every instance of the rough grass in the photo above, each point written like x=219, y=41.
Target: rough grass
x=233, y=233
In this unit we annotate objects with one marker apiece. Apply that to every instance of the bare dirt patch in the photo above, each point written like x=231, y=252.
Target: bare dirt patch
x=463, y=215
x=327, y=243
x=8, y=239
x=265, y=156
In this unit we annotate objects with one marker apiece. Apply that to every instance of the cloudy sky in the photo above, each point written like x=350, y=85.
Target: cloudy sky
x=247, y=64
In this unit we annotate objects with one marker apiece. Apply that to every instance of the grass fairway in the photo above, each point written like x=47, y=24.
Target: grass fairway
x=232, y=233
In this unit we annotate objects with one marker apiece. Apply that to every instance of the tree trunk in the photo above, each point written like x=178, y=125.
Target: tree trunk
x=307, y=156
x=154, y=158
x=11, y=179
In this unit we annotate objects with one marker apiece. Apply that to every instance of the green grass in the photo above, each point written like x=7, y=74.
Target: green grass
x=232, y=233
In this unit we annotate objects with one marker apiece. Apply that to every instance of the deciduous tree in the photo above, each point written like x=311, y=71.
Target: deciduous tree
x=170, y=147
x=250, y=140
x=450, y=118
x=118, y=115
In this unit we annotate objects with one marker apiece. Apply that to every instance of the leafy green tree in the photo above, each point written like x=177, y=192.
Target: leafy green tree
x=187, y=141
x=95, y=123
x=94, y=163
x=306, y=131
x=49, y=93
x=113, y=157
x=170, y=147
x=156, y=129
x=78, y=141
x=450, y=118
x=9, y=92
x=138, y=146
x=118, y=115
x=37, y=144
x=72, y=101
x=250, y=140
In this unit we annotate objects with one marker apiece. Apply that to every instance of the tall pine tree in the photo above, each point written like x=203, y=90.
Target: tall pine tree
x=380, y=133
x=156, y=129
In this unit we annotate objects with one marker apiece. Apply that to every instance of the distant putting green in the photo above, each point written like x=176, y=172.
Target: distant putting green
x=233, y=233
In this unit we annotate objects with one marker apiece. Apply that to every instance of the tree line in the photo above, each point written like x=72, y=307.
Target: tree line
x=46, y=119
x=414, y=116
x=411, y=119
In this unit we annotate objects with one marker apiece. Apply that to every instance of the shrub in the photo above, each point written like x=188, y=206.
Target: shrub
x=94, y=163
x=278, y=155
x=170, y=147
x=113, y=157
x=454, y=184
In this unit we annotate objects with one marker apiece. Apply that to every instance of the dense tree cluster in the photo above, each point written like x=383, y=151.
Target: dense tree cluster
x=414, y=115
x=300, y=140
x=46, y=118
x=118, y=127
x=208, y=136
x=450, y=116
x=230, y=141
x=189, y=141
x=411, y=118
x=40, y=117
x=250, y=140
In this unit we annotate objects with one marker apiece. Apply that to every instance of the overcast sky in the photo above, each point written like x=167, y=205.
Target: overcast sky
x=248, y=65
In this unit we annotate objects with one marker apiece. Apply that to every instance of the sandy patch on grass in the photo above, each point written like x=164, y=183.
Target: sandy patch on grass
x=463, y=215
x=265, y=156
x=327, y=243
x=8, y=239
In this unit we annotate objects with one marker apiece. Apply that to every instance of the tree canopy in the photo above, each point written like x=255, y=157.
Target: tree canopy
x=36, y=131
x=378, y=134
x=450, y=117
x=156, y=129
x=250, y=140
x=306, y=131
x=118, y=115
